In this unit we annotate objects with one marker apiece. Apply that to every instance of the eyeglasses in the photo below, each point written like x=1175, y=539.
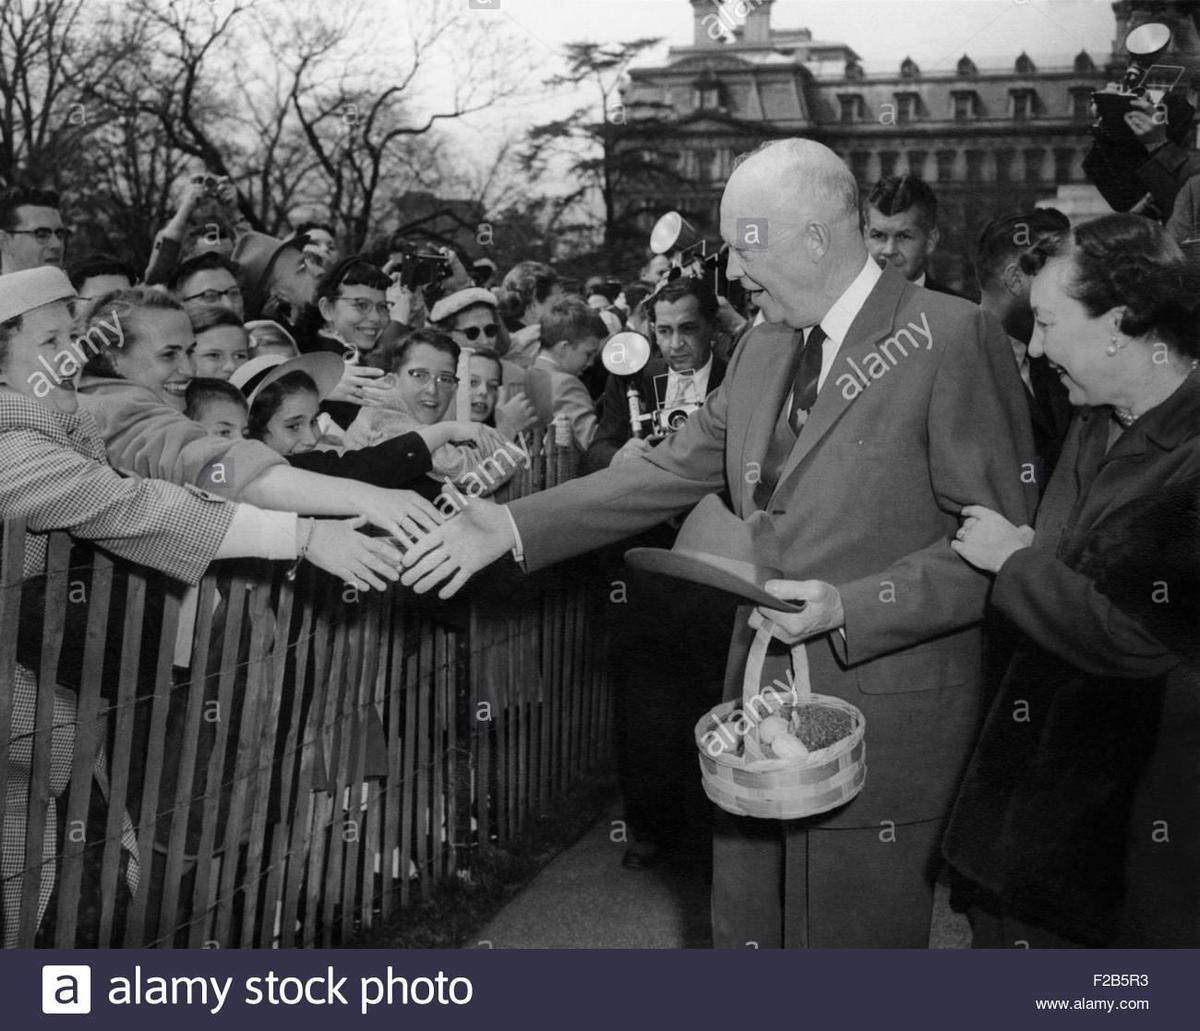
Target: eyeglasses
x=216, y=296
x=472, y=332
x=365, y=307
x=43, y=234
x=443, y=380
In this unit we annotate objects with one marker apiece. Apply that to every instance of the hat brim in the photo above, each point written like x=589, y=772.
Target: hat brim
x=324, y=368
x=694, y=570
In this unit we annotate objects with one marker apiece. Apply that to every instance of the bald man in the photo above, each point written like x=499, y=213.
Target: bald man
x=855, y=423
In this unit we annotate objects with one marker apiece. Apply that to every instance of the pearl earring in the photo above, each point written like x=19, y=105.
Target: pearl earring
x=1111, y=349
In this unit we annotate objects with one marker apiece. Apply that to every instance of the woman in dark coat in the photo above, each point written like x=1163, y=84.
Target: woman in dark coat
x=1077, y=820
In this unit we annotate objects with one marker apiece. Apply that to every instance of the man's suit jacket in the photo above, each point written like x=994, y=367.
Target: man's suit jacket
x=921, y=413
x=938, y=287
x=554, y=392
x=614, y=431
x=1050, y=414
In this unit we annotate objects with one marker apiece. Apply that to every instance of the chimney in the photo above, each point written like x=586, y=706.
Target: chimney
x=758, y=22
x=708, y=25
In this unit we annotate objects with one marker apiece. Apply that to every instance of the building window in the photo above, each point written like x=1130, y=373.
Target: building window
x=1081, y=105
x=860, y=163
x=706, y=96
x=945, y=165
x=1064, y=158
x=1025, y=65
x=852, y=108
x=704, y=166
x=887, y=162
x=966, y=68
x=1022, y=104
x=975, y=166
x=916, y=163
x=908, y=107
x=1004, y=164
x=966, y=105
x=909, y=69
x=1033, y=164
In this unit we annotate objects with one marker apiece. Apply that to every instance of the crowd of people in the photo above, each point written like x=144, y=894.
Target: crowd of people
x=1026, y=486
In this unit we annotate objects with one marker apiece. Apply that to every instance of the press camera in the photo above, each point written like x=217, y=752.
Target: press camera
x=625, y=355
x=1142, y=79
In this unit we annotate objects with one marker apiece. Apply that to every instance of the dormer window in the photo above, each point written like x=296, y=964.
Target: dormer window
x=909, y=69
x=966, y=105
x=706, y=94
x=1084, y=65
x=853, y=108
x=1022, y=104
x=966, y=68
x=908, y=107
x=1025, y=65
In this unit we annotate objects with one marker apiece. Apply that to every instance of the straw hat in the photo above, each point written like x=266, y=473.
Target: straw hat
x=324, y=368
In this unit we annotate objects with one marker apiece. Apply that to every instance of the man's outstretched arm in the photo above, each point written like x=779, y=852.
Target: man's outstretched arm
x=581, y=515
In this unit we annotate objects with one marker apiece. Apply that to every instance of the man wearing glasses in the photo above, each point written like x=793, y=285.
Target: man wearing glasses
x=206, y=281
x=31, y=230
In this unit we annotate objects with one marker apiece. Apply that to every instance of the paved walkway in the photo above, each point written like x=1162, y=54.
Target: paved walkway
x=585, y=899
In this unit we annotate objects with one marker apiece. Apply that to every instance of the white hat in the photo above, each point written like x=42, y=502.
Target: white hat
x=453, y=303
x=31, y=288
x=324, y=368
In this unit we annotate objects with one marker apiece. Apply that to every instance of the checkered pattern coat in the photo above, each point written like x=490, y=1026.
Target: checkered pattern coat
x=55, y=476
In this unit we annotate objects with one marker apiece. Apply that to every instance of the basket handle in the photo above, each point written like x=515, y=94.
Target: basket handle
x=752, y=681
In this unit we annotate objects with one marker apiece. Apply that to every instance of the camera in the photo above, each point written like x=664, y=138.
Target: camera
x=212, y=183
x=665, y=421
x=1142, y=79
x=423, y=268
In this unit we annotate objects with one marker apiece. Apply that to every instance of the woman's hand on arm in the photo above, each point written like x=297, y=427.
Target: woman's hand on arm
x=986, y=539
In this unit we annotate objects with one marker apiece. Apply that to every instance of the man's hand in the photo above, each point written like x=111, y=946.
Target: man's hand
x=986, y=539
x=358, y=386
x=1148, y=122
x=453, y=552
x=822, y=611
x=634, y=447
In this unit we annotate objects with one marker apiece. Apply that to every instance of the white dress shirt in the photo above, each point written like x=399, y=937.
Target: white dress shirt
x=692, y=386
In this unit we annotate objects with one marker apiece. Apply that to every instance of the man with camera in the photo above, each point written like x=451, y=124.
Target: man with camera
x=684, y=316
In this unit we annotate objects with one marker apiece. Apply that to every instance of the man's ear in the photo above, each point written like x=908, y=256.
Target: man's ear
x=1015, y=281
x=816, y=239
x=325, y=307
x=935, y=237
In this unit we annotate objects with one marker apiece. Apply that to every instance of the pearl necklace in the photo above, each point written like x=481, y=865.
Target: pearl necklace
x=1126, y=417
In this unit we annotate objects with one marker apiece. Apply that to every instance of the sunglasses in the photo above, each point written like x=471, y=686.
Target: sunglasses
x=472, y=332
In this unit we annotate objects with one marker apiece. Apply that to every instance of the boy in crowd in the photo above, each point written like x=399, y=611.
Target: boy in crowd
x=218, y=406
x=572, y=334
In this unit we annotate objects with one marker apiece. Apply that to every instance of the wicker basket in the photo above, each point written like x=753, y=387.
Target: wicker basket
x=782, y=789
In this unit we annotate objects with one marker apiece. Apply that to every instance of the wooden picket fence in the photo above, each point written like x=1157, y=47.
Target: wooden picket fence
x=326, y=758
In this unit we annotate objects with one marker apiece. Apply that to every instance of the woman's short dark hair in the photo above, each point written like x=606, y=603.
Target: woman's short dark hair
x=111, y=324
x=1128, y=261
x=270, y=399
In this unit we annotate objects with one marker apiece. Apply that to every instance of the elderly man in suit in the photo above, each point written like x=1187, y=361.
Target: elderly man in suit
x=853, y=425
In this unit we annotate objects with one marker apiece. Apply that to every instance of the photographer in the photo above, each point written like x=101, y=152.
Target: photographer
x=207, y=216
x=684, y=317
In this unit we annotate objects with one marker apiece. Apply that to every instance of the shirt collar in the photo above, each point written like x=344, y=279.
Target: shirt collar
x=920, y=280
x=837, y=321
x=700, y=375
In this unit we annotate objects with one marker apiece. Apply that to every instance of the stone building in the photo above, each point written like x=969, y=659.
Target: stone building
x=988, y=139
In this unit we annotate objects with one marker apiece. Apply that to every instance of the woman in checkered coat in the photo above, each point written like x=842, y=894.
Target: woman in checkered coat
x=57, y=478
